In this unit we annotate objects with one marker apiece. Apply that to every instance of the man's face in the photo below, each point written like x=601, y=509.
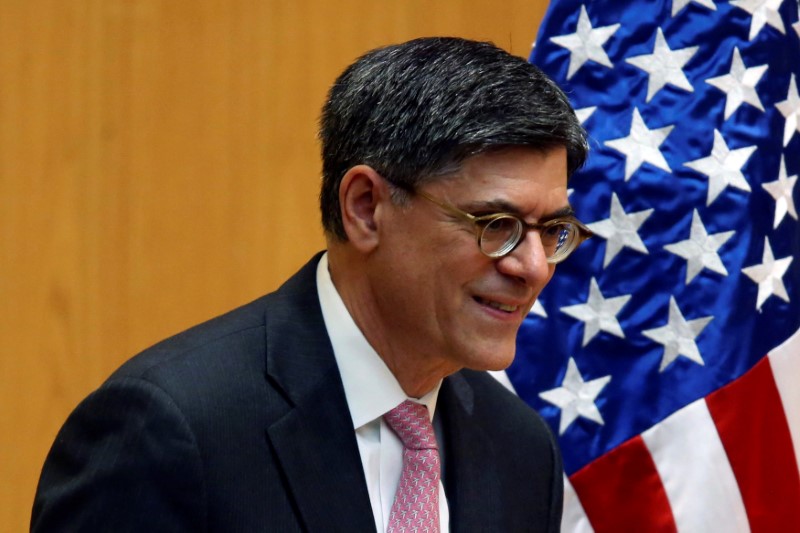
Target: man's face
x=438, y=295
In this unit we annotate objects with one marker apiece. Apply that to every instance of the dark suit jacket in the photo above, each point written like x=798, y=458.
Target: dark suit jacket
x=241, y=424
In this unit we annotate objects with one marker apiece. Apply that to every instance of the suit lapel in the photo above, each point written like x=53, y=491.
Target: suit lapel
x=322, y=464
x=470, y=481
x=314, y=441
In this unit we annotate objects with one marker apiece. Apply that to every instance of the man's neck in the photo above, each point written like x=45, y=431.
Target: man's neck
x=417, y=373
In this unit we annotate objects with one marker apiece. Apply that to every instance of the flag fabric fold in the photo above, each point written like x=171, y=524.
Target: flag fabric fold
x=665, y=353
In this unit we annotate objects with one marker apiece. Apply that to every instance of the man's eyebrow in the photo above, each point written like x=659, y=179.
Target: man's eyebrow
x=566, y=211
x=493, y=206
x=502, y=206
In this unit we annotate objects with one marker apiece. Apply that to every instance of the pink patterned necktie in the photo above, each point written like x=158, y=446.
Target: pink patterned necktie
x=416, y=503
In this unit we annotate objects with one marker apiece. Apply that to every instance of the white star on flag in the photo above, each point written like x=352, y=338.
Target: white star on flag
x=677, y=5
x=769, y=275
x=678, y=336
x=723, y=167
x=700, y=249
x=782, y=191
x=598, y=313
x=796, y=25
x=586, y=44
x=664, y=66
x=641, y=145
x=739, y=85
x=584, y=113
x=790, y=109
x=538, y=309
x=763, y=12
x=620, y=230
x=575, y=397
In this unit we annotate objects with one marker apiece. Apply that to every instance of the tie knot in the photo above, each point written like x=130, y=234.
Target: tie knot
x=410, y=421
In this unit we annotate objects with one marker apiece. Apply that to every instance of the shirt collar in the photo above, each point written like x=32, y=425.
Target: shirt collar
x=369, y=386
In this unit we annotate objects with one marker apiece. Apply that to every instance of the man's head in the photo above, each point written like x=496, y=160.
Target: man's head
x=422, y=143
x=416, y=110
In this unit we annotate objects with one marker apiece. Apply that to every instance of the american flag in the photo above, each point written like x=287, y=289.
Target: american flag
x=665, y=353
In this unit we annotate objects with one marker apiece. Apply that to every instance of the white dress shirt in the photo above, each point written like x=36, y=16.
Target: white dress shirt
x=372, y=391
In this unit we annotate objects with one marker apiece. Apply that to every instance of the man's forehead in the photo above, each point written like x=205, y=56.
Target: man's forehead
x=524, y=182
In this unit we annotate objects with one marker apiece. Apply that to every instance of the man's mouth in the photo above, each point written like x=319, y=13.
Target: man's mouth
x=497, y=305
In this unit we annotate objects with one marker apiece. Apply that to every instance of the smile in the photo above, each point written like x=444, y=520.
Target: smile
x=497, y=305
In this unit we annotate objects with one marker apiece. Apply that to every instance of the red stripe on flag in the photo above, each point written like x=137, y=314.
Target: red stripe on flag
x=752, y=425
x=622, y=491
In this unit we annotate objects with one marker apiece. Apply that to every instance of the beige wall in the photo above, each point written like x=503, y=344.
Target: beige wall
x=158, y=166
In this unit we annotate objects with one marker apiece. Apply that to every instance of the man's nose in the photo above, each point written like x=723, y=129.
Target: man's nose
x=527, y=262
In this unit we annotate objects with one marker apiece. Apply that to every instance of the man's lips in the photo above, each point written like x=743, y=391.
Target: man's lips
x=501, y=306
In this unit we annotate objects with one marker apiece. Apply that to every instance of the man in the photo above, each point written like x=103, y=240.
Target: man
x=444, y=203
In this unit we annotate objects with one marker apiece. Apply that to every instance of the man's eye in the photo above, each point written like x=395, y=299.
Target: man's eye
x=556, y=229
x=503, y=225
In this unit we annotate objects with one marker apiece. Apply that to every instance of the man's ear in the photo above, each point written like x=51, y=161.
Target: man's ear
x=362, y=193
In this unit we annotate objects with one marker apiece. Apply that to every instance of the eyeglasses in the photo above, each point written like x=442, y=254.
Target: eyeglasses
x=499, y=233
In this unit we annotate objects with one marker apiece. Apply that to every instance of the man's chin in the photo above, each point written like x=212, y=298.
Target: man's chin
x=495, y=362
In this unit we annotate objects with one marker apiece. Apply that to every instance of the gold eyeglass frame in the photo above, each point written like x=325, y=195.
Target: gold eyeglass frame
x=481, y=222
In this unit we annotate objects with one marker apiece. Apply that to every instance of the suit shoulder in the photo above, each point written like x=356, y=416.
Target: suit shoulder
x=218, y=337
x=511, y=414
x=232, y=336
x=489, y=389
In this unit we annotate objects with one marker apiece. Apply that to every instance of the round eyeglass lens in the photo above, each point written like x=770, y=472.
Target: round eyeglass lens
x=557, y=239
x=500, y=235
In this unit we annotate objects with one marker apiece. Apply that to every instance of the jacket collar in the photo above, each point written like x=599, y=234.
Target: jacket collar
x=314, y=442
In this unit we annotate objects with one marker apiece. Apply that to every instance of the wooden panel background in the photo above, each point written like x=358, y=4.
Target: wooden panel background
x=158, y=166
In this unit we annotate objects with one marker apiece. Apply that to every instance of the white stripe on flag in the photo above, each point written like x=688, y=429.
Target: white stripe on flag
x=695, y=472
x=785, y=363
x=574, y=519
